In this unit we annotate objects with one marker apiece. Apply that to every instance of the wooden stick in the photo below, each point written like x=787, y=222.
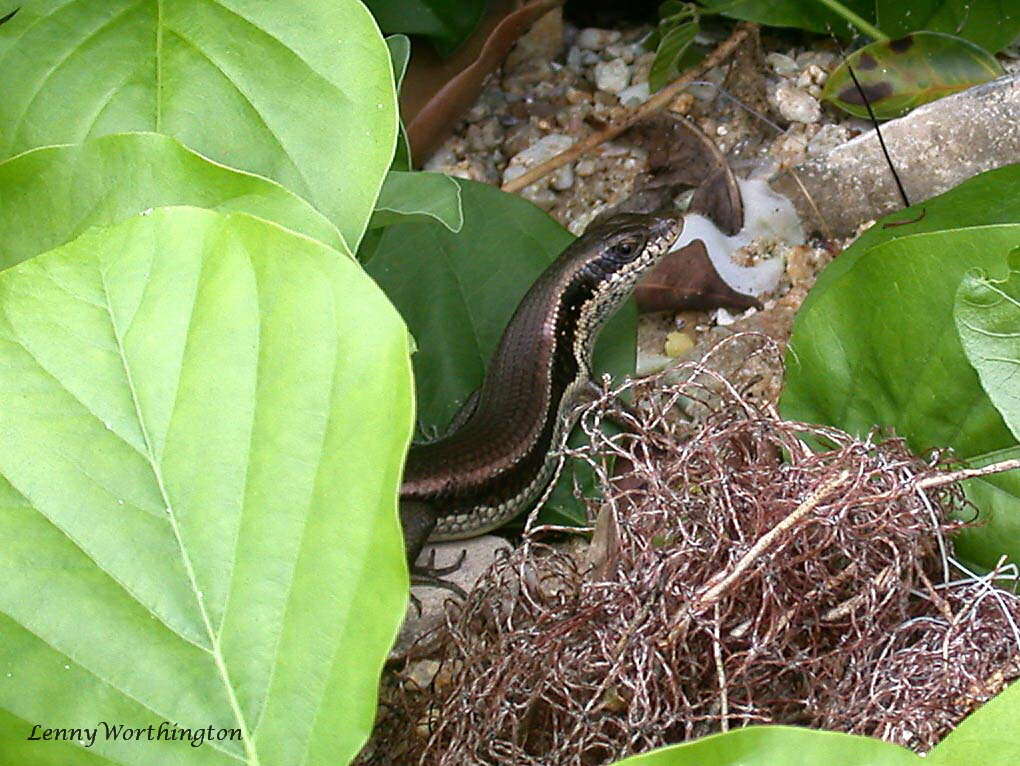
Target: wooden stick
x=659, y=101
x=968, y=473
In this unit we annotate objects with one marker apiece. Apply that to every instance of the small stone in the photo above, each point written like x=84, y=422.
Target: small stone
x=723, y=318
x=635, y=94
x=682, y=104
x=562, y=178
x=821, y=59
x=596, y=39
x=576, y=96
x=539, y=196
x=574, y=59
x=542, y=42
x=826, y=139
x=782, y=64
x=812, y=75
x=678, y=344
x=442, y=159
x=585, y=167
x=540, y=151
x=713, y=77
x=641, y=67
x=622, y=51
x=612, y=76
x=477, y=112
x=797, y=106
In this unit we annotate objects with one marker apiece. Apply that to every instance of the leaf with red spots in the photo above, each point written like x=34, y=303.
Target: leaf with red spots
x=898, y=75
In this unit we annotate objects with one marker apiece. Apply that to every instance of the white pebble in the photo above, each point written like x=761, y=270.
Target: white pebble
x=612, y=76
x=723, y=318
x=635, y=94
x=782, y=64
x=813, y=75
x=543, y=149
x=562, y=178
x=797, y=106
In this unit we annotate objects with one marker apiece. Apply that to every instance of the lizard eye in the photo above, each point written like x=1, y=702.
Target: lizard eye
x=625, y=250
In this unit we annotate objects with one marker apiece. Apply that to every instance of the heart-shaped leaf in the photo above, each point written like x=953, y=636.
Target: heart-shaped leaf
x=878, y=346
x=988, y=320
x=301, y=92
x=778, y=746
x=49, y=196
x=204, y=421
x=898, y=75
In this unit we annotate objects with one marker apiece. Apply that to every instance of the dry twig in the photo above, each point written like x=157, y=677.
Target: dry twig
x=654, y=104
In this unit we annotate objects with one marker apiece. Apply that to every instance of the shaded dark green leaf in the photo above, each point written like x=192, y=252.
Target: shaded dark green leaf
x=802, y=14
x=447, y=23
x=457, y=291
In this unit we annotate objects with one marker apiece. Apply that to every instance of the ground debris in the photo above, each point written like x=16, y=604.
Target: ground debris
x=735, y=577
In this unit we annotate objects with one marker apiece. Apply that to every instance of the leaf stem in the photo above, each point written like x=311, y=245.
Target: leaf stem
x=841, y=10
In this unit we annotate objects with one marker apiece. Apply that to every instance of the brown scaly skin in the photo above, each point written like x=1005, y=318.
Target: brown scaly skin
x=501, y=460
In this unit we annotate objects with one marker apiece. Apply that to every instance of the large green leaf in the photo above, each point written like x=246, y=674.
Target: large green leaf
x=400, y=54
x=301, y=92
x=992, y=24
x=49, y=196
x=899, y=75
x=204, y=421
x=878, y=346
x=988, y=320
x=979, y=201
x=778, y=746
x=417, y=196
x=457, y=292
x=988, y=736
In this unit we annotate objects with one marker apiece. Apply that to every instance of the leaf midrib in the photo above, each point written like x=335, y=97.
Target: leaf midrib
x=214, y=641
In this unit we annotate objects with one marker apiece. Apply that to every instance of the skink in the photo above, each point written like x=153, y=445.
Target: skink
x=501, y=458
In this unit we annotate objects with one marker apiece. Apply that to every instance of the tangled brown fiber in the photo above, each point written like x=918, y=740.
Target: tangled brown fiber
x=735, y=577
